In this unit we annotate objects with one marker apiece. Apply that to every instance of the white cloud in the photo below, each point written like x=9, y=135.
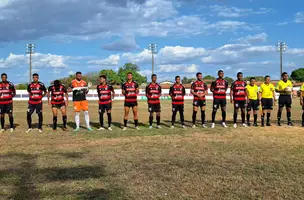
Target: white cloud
x=112, y=60
x=262, y=37
x=282, y=23
x=179, y=68
x=137, y=58
x=299, y=17
x=146, y=72
x=127, y=43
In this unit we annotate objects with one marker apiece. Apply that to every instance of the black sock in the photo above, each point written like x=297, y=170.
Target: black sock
x=101, y=119
x=255, y=118
x=303, y=117
x=224, y=116
x=54, y=122
x=279, y=116
x=213, y=115
x=29, y=120
x=40, y=120
x=173, y=117
x=181, y=113
x=194, y=117
x=203, y=116
x=136, y=122
x=125, y=122
x=64, y=120
x=289, y=116
x=248, y=117
x=2, y=122
x=268, y=118
x=109, y=119
x=235, y=117
x=150, y=120
x=243, y=117
x=158, y=119
x=11, y=119
x=263, y=118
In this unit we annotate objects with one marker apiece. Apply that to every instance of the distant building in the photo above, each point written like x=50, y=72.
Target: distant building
x=166, y=83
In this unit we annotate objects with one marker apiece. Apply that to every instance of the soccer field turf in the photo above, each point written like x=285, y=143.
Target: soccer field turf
x=243, y=163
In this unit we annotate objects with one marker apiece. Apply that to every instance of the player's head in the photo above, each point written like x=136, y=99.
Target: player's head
x=154, y=78
x=129, y=76
x=35, y=77
x=267, y=79
x=4, y=77
x=199, y=76
x=177, y=79
x=239, y=76
x=103, y=79
x=220, y=74
x=252, y=81
x=78, y=76
x=284, y=76
x=57, y=83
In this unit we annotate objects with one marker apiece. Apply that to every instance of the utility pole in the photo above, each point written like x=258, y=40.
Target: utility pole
x=281, y=47
x=152, y=50
x=30, y=49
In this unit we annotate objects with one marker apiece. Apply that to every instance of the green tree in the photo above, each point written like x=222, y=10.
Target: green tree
x=21, y=86
x=257, y=78
x=209, y=77
x=134, y=69
x=129, y=67
x=298, y=75
x=112, y=76
x=186, y=80
x=229, y=79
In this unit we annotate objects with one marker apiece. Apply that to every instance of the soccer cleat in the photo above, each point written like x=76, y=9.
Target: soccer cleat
x=172, y=127
x=255, y=125
x=101, y=129
x=193, y=126
x=64, y=129
x=89, y=129
x=159, y=127
x=244, y=125
x=235, y=126
x=137, y=128
x=268, y=124
x=204, y=126
x=262, y=125
x=11, y=130
x=150, y=127
x=248, y=124
x=224, y=125
x=289, y=124
x=279, y=124
x=28, y=130
x=110, y=129
x=76, y=129
x=213, y=125
x=124, y=128
x=40, y=130
x=2, y=130
x=183, y=126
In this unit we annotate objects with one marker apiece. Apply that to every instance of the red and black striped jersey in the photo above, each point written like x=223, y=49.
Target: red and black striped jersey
x=36, y=91
x=177, y=92
x=7, y=92
x=130, y=91
x=199, y=87
x=219, y=88
x=57, y=94
x=105, y=93
x=239, y=90
x=153, y=93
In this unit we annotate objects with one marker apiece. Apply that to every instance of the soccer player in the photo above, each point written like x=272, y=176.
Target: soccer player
x=267, y=98
x=36, y=92
x=284, y=87
x=238, y=96
x=130, y=91
x=106, y=95
x=177, y=92
x=219, y=88
x=153, y=93
x=252, y=101
x=199, y=90
x=79, y=100
x=7, y=92
x=301, y=102
x=58, y=99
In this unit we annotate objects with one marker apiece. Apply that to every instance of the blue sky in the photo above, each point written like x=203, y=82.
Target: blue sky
x=191, y=36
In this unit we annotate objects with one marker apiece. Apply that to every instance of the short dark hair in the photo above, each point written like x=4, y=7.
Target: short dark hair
x=198, y=73
x=3, y=74
x=239, y=73
x=35, y=74
x=153, y=75
x=103, y=76
x=78, y=73
x=57, y=83
x=176, y=77
x=129, y=73
x=267, y=76
x=284, y=73
x=220, y=71
x=252, y=78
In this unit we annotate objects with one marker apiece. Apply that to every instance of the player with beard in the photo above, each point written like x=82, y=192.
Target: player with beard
x=58, y=99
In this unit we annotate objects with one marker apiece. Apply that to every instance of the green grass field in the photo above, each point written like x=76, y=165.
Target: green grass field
x=243, y=163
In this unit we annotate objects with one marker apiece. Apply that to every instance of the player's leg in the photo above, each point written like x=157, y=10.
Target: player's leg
x=264, y=111
x=135, y=116
x=158, y=111
x=214, y=110
x=151, y=111
x=203, y=114
x=10, y=116
x=77, y=109
x=55, y=113
x=29, y=113
x=85, y=108
x=303, y=116
x=281, y=106
x=255, y=113
x=174, y=111
x=249, y=108
x=288, y=110
x=127, y=110
x=243, y=112
x=224, y=112
x=195, y=108
x=109, y=114
x=235, y=113
x=39, y=111
x=101, y=112
x=181, y=113
x=269, y=109
x=64, y=116
x=2, y=116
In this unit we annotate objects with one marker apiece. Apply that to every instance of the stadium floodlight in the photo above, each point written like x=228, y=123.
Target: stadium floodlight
x=30, y=49
x=152, y=50
x=281, y=47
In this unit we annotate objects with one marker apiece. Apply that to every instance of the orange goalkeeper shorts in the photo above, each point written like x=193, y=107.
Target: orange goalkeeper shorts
x=81, y=105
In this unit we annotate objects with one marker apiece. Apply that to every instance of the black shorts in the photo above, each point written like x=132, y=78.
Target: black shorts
x=303, y=105
x=285, y=100
x=267, y=104
x=32, y=107
x=131, y=105
x=178, y=108
x=154, y=108
x=6, y=108
x=199, y=103
x=253, y=105
x=239, y=104
x=105, y=107
x=58, y=106
x=219, y=102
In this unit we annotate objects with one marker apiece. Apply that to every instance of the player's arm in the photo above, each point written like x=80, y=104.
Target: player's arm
x=192, y=90
x=70, y=88
x=29, y=90
x=113, y=93
x=171, y=91
x=274, y=95
x=123, y=91
x=226, y=86
x=147, y=91
x=212, y=86
x=137, y=88
x=206, y=89
x=160, y=90
x=66, y=96
x=277, y=88
x=231, y=92
x=48, y=96
x=86, y=91
x=184, y=91
x=13, y=90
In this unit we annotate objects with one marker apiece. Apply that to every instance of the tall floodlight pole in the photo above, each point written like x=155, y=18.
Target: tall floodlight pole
x=30, y=49
x=281, y=47
x=152, y=50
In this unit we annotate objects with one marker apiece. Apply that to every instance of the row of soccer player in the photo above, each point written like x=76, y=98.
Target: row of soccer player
x=242, y=96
